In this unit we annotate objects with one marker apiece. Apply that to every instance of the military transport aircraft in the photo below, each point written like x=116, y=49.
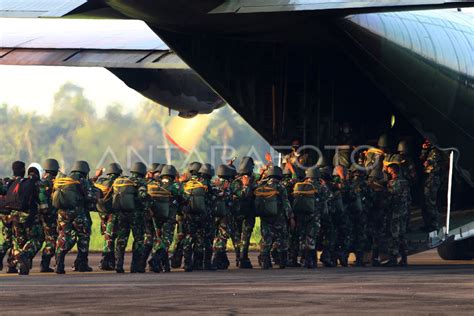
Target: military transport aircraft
x=291, y=68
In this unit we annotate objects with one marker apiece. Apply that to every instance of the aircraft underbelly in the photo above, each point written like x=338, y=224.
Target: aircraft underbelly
x=426, y=69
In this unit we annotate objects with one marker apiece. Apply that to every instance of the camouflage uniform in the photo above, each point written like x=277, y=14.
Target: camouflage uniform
x=289, y=182
x=209, y=226
x=108, y=225
x=132, y=222
x=74, y=226
x=327, y=232
x=274, y=229
x=164, y=228
x=409, y=173
x=6, y=246
x=396, y=216
x=223, y=225
x=431, y=158
x=243, y=219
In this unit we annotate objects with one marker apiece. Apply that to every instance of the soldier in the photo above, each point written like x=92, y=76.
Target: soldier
x=27, y=233
x=70, y=195
x=108, y=219
x=275, y=211
x=431, y=157
x=358, y=210
x=206, y=173
x=289, y=180
x=340, y=189
x=177, y=257
x=397, y=193
x=377, y=181
x=152, y=176
x=166, y=198
x=196, y=213
x=48, y=215
x=129, y=201
x=327, y=235
x=6, y=247
x=243, y=217
x=408, y=170
x=308, y=204
x=222, y=207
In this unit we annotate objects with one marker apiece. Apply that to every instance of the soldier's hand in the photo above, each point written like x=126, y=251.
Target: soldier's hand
x=99, y=172
x=245, y=181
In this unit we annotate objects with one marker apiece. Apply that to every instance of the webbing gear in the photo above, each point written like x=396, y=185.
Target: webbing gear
x=266, y=192
x=374, y=150
x=61, y=182
x=301, y=189
x=156, y=191
x=192, y=185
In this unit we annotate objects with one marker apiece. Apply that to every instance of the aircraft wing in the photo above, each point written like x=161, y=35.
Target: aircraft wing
x=38, y=8
x=119, y=44
x=344, y=7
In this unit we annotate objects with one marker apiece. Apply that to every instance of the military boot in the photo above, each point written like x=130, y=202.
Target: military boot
x=188, y=261
x=275, y=256
x=392, y=262
x=283, y=260
x=237, y=256
x=375, y=258
x=326, y=260
x=81, y=264
x=165, y=262
x=108, y=262
x=23, y=264
x=45, y=262
x=198, y=258
x=217, y=259
x=137, y=265
x=146, y=253
x=155, y=261
x=2, y=255
x=266, y=262
x=359, y=259
x=208, y=265
x=343, y=259
x=403, y=261
x=245, y=261
x=177, y=257
x=225, y=263
x=60, y=264
x=293, y=262
x=310, y=259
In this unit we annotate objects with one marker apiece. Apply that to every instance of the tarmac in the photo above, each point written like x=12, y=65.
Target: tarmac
x=428, y=286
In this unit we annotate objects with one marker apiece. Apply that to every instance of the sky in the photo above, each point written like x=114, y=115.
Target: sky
x=33, y=87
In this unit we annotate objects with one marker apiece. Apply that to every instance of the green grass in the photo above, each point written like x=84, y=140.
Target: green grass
x=96, y=242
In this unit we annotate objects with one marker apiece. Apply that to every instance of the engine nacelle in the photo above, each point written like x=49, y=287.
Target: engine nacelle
x=457, y=250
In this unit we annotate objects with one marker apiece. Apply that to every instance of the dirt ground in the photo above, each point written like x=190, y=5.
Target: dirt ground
x=429, y=286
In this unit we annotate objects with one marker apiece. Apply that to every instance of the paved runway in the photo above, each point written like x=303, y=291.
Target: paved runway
x=429, y=285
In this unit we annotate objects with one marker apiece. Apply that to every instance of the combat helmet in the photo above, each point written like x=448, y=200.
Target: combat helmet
x=169, y=171
x=207, y=169
x=51, y=164
x=403, y=147
x=246, y=165
x=37, y=167
x=194, y=167
x=225, y=171
x=384, y=141
x=114, y=168
x=81, y=166
x=153, y=166
x=274, y=172
x=159, y=168
x=313, y=173
x=139, y=168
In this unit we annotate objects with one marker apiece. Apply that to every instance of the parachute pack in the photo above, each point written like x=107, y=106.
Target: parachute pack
x=266, y=201
x=66, y=193
x=195, y=193
x=303, y=198
x=20, y=195
x=161, y=199
x=104, y=203
x=124, y=194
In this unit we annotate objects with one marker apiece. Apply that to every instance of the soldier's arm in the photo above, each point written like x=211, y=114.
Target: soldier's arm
x=286, y=203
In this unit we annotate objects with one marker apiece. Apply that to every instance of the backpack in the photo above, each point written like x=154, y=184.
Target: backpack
x=195, y=193
x=20, y=194
x=303, y=198
x=266, y=201
x=104, y=203
x=66, y=193
x=124, y=194
x=161, y=200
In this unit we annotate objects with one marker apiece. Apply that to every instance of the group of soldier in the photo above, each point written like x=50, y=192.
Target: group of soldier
x=187, y=220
